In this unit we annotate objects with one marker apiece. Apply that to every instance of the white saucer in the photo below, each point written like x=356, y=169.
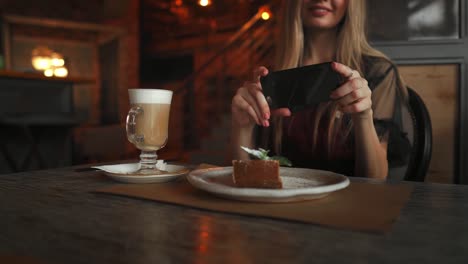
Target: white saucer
x=126, y=173
x=298, y=185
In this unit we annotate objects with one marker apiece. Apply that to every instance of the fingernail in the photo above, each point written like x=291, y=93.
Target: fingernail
x=266, y=123
x=266, y=115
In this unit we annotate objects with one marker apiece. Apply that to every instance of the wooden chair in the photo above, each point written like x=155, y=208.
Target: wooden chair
x=104, y=143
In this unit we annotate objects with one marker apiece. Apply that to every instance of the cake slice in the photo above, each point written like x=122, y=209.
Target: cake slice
x=257, y=174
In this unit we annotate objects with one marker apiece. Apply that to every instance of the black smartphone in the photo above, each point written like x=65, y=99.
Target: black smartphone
x=300, y=87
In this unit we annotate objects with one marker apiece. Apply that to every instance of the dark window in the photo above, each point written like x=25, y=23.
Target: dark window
x=402, y=20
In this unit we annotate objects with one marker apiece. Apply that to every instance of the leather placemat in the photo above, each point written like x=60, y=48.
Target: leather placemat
x=361, y=206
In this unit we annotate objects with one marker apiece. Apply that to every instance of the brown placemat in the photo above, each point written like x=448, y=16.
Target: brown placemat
x=360, y=206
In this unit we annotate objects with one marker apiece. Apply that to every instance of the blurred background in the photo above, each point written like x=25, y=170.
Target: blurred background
x=65, y=67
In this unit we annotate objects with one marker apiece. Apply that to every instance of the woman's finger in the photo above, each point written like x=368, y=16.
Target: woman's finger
x=345, y=71
x=240, y=104
x=349, y=87
x=357, y=107
x=250, y=100
x=281, y=112
x=259, y=72
x=353, y=96
x=252, y=94
x=256, y=92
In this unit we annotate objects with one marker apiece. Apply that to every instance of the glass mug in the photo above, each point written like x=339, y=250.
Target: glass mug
x=148, y=124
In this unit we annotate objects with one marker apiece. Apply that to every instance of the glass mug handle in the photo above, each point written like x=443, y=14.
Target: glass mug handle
x=131, y=125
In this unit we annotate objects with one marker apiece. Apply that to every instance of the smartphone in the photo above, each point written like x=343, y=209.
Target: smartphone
x=300, y=87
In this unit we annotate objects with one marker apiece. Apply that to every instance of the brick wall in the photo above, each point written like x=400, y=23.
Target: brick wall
x=126, y=18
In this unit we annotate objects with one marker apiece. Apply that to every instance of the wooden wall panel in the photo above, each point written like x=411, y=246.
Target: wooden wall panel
x=438, y=86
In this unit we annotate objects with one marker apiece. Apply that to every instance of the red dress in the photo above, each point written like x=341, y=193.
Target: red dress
x=298, y=142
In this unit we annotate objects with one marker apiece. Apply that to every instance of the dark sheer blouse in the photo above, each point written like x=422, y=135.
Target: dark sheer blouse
x=389, y=109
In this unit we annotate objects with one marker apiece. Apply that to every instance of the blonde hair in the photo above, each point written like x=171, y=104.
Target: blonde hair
x=352, y=45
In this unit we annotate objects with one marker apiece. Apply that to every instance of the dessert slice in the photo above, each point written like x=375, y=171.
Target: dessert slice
x=262, y=172
x=257, y=174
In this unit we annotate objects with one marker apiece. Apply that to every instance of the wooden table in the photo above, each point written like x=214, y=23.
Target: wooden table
x=53, y=216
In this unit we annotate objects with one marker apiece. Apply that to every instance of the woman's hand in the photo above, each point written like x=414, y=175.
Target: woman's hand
x=249, y=105
x=354, y=95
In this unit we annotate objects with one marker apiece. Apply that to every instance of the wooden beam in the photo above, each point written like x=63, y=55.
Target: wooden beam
x=52, y=23
x=48, y=39
x=39, y=76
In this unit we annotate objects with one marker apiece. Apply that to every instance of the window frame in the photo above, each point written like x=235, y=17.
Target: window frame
x=442, y=51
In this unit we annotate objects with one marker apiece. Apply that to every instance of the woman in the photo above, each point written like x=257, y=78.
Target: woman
x=358, y=132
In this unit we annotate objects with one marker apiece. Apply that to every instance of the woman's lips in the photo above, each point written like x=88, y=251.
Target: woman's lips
x=318, y=11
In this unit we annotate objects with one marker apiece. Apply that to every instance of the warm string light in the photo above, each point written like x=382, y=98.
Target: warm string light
x=61, y=72
x=48, y=61
x=204, y=2
x=56, y=60
x=265, y=12
x=41, y=58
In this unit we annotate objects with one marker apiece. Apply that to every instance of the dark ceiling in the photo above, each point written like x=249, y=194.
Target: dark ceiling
x=176, y=19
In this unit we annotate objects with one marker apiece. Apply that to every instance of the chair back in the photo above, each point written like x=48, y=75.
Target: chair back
x=103, y=143
x=422, y=142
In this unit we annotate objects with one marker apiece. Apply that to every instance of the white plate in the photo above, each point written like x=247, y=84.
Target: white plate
x=125, y=173
x=298, y=185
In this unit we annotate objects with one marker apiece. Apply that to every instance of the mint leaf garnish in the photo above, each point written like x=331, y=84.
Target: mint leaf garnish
x=262, y=154
x=259, y=154
x=283, y=161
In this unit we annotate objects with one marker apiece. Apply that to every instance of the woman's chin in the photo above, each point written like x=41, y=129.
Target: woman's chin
x=322, y=23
